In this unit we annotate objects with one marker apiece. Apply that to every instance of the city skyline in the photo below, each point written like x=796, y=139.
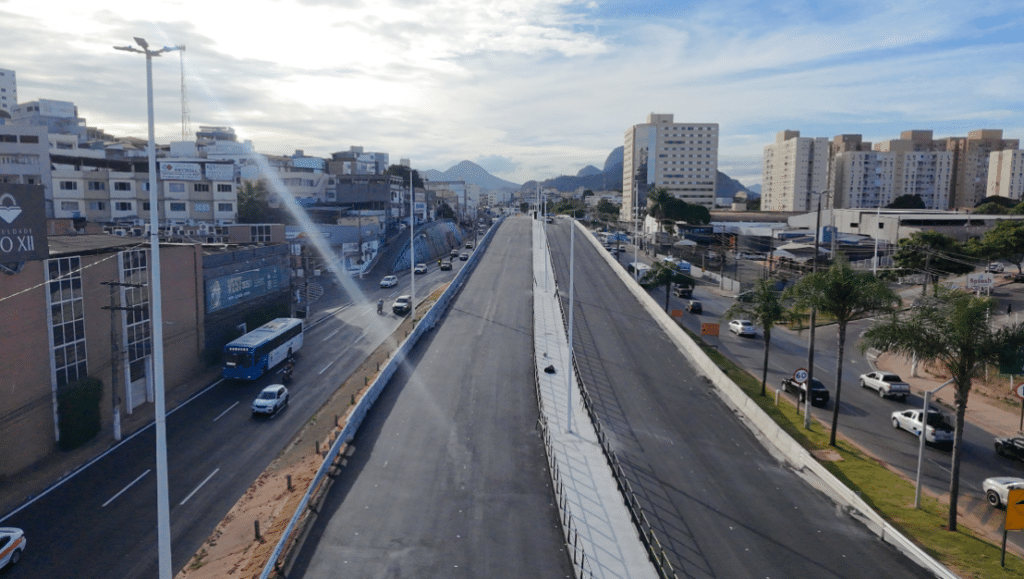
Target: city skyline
x=528, y=90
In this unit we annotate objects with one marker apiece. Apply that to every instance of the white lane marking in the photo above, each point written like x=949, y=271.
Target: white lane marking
x=331, y=335
x=359, y=337
x=226, y=411
x=326, y=367
x=137, y=479
x=205, y=480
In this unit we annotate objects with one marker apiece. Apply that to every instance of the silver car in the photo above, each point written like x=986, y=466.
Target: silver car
x=998, y=488
x=270, y=400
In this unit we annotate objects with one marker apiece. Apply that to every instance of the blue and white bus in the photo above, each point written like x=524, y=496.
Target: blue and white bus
x=250, y=356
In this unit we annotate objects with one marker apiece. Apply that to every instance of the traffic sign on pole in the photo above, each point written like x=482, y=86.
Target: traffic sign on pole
x=800, y=376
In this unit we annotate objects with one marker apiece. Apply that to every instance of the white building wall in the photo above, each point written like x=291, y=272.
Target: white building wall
x=1006, y=174
x=864, y=179
x=8, y=91
x=793, y=168
x=25, y=159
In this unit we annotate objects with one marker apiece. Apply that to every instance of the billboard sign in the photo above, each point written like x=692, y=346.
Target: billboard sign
x=978, y=281
x=181, y=171
x=220, y=171
x=237, y=288
x=22, y=223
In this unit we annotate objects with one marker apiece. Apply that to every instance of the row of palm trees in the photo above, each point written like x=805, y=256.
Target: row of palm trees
x=950, y=328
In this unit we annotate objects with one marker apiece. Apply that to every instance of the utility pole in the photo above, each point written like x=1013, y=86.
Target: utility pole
x=115, y=350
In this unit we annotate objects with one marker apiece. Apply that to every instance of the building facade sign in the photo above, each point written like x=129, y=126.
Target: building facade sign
x=220, y=171
x=181, y=171
x=230, y=290
x=22, y=223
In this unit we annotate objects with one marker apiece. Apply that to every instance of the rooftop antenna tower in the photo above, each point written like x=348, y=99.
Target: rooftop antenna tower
x=186, y=129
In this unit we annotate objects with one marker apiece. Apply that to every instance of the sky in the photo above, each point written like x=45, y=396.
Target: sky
x=528, y=89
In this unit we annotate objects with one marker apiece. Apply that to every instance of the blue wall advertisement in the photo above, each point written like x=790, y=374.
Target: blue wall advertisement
x=231, y=290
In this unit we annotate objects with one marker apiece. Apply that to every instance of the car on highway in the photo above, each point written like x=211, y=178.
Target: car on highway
x=997, y=488
x=446, y=265
x=887, y=384
x=12, y=545
x=694, y=307
x=819, y=393
x=742, y=328
x=469, y=245
x=463, y=256
x=402, y=305
x=938, y=431
x=270, y=399
x=454, y=253
x=682, y=291
x=1011, y=446
x=420, y=268
x=389, y=281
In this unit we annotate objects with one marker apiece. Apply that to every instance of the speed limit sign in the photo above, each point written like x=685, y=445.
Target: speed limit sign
x=800, y=376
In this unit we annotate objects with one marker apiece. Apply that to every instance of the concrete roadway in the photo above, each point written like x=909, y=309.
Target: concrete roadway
x=720, y=503
x=102, y=522
x=449, y=476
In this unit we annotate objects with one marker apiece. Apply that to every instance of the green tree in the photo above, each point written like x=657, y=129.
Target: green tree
x=607, y=209
x=754, y=205
x=931, y=253
x=253, y=206
x=1004, y=202
x=524, y=207
x=1005, y=241
x=952, y=329
x=845, y=295
x=659, y=205
x=991, y=209
x=764, y=309
x=444, y=211
x=403, y=172
x=907, y=202
x=665, y=274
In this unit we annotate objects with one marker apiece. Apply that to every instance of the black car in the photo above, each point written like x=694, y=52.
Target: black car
x=819, y=394
x=695, y=307
x=464, y=256
x=1012, y=446
x=446, y=265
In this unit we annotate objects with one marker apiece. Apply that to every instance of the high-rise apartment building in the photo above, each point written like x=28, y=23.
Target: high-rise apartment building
x=920, y=167
x=794, y=168
x=1006, y=174
x=8, y=91
x=972, y=163
x=863, y=179
x=681, y=157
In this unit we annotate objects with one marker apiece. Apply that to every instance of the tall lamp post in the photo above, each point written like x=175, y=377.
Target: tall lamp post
x=814, y=315
x=163, y=511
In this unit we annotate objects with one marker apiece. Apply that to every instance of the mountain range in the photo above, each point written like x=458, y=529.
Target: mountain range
x=590, y=177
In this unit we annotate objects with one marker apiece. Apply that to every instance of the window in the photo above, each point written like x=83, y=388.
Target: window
x=67, y=319
x=145, y=205
x=123, y=205
x=202, y=207
x=201, y=187
x=225, y=207
x=176, y=187
x=135, y=269
x=122, y=186
x=177, y=207
x=29, y=139
x=69, y=205
x=223, y=187
x=97, y=206
x=69, y=185
x=260, y=233
x=97, y=186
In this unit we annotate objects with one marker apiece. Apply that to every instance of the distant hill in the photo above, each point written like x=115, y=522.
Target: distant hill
x=726, y=186
x=470, y=172
x=588, y=171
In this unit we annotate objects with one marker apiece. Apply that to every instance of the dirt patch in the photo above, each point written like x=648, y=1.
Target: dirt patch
x=827, y=455
x=234, y=549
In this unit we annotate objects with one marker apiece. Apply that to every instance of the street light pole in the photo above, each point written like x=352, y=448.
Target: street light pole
x=813, y=320
x=163, y=510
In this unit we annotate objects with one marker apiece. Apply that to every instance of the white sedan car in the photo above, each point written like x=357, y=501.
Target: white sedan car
x=420, y=268
x=742, y=328
x=12, y=543
x=270, y=400
x=939, y=431
x=998, y=488
x=389, y=281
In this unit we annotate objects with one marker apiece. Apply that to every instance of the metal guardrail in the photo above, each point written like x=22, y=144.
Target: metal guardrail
x=364, y=404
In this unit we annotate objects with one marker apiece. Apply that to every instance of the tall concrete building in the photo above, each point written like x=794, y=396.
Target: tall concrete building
x=1006, y=174
x=972, y=163
x=920, y=167
x=681, y=157
x=863, y=179
x=794, y=168
x=8, y=92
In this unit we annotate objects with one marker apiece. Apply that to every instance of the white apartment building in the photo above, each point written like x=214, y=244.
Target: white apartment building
x=794, y=168
x=681, y=157
x=25, y=159
x=863, y=179
x=8, y=91
x=1006, y=174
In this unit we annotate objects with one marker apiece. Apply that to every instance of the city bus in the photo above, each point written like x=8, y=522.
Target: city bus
x=249, y=357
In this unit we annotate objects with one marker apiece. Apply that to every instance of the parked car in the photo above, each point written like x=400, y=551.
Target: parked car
x=446, y=265
x=389, y=281
x=939, y=431
x=997, y=488
x=887, y=384
x=463, y=256
x=742, y=328
x=270, y=399
x=12, y=544
x=1012, y=446
x=995, y=267
x=402, y=305
x=420, y=268
x=694, y=307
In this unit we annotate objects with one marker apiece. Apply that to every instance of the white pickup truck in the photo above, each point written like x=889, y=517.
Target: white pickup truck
x=887, y=384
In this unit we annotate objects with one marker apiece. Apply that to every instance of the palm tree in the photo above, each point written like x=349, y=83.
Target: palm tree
x=950, y=328
x=252, y=202
x=845, y=295
x=764, y=309
x=664, y=273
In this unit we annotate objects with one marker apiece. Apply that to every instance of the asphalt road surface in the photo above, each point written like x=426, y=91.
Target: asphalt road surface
x=721, y=505
x=449, y=476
